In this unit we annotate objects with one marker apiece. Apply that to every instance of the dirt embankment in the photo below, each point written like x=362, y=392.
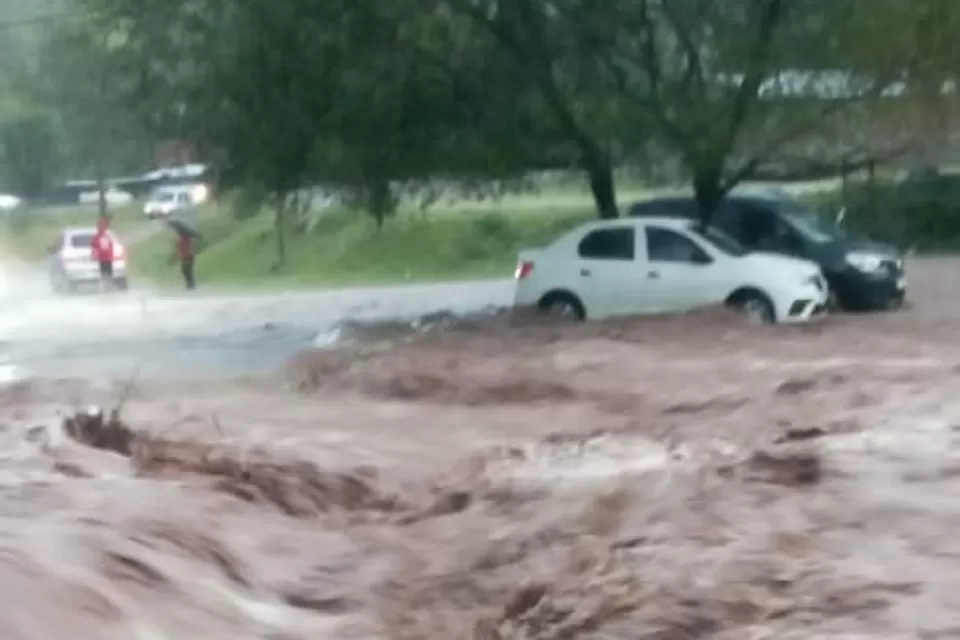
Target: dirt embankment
x=665, y=479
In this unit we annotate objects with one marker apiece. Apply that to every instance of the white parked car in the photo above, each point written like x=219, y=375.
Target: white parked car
x=9, y=202
x=664, y=265
x=164, y=202
x=71, y=264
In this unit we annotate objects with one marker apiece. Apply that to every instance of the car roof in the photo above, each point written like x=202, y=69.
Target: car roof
x=765, y=198
x=183, y=186
x=660, y=221
x=75, y=231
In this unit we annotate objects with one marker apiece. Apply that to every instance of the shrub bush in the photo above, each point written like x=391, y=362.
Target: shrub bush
x=922, y=213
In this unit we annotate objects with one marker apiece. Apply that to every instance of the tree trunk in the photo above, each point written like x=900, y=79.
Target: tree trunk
x=600, y=172
x=101, y=188
x=280, y=233
x=708, y=194
x=380, y=202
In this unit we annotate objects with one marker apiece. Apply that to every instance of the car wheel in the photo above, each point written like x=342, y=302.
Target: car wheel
x=897, y=302
x=562, y=305
x=756, y=307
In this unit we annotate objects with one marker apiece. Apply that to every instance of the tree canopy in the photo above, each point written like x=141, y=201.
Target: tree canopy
x=371, y=96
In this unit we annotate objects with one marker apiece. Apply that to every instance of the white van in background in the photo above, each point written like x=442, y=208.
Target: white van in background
x=163, y=202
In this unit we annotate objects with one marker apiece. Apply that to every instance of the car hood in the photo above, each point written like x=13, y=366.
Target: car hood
x=871, y=246
x=833, y=255
x=761, y=260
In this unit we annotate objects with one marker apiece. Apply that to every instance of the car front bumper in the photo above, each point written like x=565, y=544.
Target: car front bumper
x=803, y=304
x=858, y=291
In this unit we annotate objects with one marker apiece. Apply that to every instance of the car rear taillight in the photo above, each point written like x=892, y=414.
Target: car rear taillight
x=524, y=269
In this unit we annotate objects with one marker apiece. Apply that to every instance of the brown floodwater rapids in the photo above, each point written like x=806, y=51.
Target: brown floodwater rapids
x=683, y=478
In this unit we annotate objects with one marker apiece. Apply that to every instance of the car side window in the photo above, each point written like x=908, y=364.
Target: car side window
x=615, y=243
x=757, y=226
x=664, y=245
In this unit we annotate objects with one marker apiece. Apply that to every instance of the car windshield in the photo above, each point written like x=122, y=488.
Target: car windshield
x=818, y=228
x=163, y=196
x=81, y=240
x=725, y=243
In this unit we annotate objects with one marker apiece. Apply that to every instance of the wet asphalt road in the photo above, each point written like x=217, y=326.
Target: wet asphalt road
x=200, y=336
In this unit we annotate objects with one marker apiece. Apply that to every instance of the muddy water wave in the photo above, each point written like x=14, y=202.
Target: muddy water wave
x=653, y=481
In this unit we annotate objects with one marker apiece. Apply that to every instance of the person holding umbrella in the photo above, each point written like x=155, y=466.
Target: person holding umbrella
x=186, y=250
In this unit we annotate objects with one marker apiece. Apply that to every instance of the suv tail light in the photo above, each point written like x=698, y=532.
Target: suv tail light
x=524, y=269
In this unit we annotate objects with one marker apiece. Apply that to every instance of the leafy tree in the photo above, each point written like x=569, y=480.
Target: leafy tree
x=29, y=153
x=737, y=86
x=358, y=94
x=82, y=77
x=554, y=50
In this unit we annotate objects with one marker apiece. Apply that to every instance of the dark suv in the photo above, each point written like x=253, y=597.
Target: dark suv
x=862, y=274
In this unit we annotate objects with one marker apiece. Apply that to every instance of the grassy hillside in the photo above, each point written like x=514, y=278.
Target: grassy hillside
x=457, y=241
x=346, y=249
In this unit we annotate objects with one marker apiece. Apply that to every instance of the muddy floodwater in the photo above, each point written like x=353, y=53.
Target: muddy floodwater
x=658, y=479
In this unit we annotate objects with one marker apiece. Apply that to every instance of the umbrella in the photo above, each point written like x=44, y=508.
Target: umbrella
x=183, y=227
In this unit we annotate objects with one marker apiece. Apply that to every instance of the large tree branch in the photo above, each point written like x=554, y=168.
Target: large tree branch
x=758, y=60
x=497, y=29
x=693, y=77
x=820, y=169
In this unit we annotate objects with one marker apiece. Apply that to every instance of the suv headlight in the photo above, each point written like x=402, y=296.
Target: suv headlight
x=865, y=262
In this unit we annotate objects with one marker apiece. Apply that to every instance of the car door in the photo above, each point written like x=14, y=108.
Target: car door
x=762, y=229
x=681, y=273
x=606, y=262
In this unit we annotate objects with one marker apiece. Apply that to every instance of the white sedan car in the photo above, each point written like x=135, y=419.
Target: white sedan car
x=71, y=265
x=664, y=265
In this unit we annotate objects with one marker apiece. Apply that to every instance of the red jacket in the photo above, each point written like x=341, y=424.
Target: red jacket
x=184, y=247
x=102, y=247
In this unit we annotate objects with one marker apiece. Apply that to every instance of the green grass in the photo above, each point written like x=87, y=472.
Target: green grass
x=459, y=240
x=28, y=234
x=346, y=249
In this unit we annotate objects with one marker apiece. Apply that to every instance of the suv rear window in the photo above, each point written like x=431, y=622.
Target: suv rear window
x=615, y=243
x=81, y=240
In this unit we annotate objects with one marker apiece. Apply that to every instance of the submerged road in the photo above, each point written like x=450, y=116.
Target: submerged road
x=199, y=336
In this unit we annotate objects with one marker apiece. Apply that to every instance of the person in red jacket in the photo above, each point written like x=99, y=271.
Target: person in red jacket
x=103, y=252
x=186, y=252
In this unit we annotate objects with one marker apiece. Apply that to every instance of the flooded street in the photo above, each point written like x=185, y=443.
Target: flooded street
x=656, y=479
x=199, y=336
